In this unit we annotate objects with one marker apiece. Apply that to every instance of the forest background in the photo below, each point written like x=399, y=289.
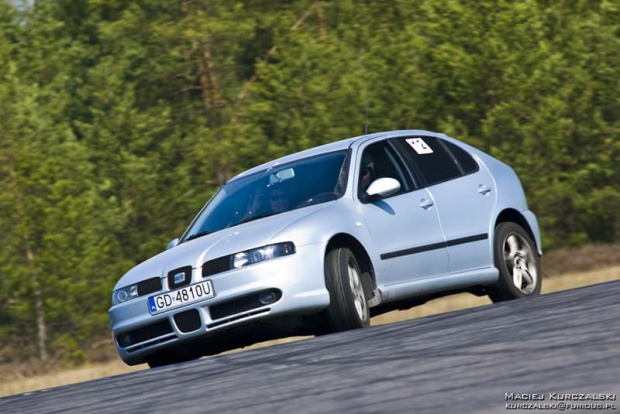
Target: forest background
x=119, y=119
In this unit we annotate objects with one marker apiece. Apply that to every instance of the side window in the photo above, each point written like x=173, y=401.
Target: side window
x=463, y=158
x=378, y=161
x=431, y=158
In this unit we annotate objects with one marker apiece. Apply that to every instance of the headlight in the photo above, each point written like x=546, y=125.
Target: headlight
x=261, y=254
x=124, y=294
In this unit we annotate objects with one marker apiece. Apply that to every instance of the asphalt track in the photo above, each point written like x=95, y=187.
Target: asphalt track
x=464, y=361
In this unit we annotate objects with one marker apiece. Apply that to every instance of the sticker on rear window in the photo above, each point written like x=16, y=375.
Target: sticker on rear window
x=419, y=145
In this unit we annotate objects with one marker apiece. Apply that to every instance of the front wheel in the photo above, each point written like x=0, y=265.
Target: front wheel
x=519, y=266
x=348, y=306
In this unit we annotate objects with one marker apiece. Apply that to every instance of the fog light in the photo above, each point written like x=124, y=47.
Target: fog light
x=267, y=298
x=125, y=339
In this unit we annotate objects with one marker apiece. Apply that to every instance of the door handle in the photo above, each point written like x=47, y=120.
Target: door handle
x=483, y=189
x=426, y=204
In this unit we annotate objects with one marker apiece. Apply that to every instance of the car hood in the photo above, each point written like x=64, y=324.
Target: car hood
x=228, y=241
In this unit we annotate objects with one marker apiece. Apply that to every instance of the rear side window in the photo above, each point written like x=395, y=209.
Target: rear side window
x=431, y=159
x=463, y=158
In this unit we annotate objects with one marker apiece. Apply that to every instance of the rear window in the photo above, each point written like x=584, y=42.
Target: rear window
x=463, y=158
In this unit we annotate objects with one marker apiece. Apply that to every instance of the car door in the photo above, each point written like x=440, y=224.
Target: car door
x=464, y=195
x=404, y=227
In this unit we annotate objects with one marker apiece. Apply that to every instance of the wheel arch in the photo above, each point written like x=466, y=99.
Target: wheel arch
x=363, y=259
x=511, y=215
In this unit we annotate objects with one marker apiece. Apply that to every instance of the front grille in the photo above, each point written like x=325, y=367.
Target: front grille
x=240, y=305
x=219, y=265
x=144, y=334
x=179, y=277
x=236, y=318
x=188, y=321
x=149, y=286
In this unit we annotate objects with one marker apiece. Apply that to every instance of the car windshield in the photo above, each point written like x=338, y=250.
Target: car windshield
x=273, y=191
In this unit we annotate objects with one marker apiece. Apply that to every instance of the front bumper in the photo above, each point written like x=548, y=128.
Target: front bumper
x=297, y=279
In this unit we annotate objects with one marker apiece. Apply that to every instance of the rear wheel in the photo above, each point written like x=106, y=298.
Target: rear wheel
x=348, y=307
x=519, y=266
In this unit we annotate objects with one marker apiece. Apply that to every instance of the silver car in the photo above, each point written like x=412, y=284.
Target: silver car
x=321, y=240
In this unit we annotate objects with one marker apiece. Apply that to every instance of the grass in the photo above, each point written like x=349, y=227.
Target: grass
x=15, y=382
x=581, y=259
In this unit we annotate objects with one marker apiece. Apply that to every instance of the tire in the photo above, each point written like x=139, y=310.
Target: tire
x=348, y=306
x=520, y=273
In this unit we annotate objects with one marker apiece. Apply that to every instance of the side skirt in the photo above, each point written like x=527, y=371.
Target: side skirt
x=453, y=282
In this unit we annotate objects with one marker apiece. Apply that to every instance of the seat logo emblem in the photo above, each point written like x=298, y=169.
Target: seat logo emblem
x=179, y=278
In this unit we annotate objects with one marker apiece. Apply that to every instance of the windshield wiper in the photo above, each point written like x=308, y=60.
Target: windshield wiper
x=245, y=220
x=252, y=218
x=195, y=236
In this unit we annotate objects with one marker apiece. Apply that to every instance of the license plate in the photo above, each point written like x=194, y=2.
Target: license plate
x=184, y=296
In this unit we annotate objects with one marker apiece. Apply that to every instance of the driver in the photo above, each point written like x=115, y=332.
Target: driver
x=273, y=201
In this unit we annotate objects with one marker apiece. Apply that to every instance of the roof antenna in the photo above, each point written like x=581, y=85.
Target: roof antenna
x=366, y=119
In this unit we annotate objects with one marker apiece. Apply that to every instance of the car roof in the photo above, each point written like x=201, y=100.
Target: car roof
x=330, y=147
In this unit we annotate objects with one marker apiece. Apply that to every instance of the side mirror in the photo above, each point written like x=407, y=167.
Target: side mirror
x=172, y=243
x=381, y=188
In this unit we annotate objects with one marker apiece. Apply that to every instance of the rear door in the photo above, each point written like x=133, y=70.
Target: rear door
x=464, y=194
